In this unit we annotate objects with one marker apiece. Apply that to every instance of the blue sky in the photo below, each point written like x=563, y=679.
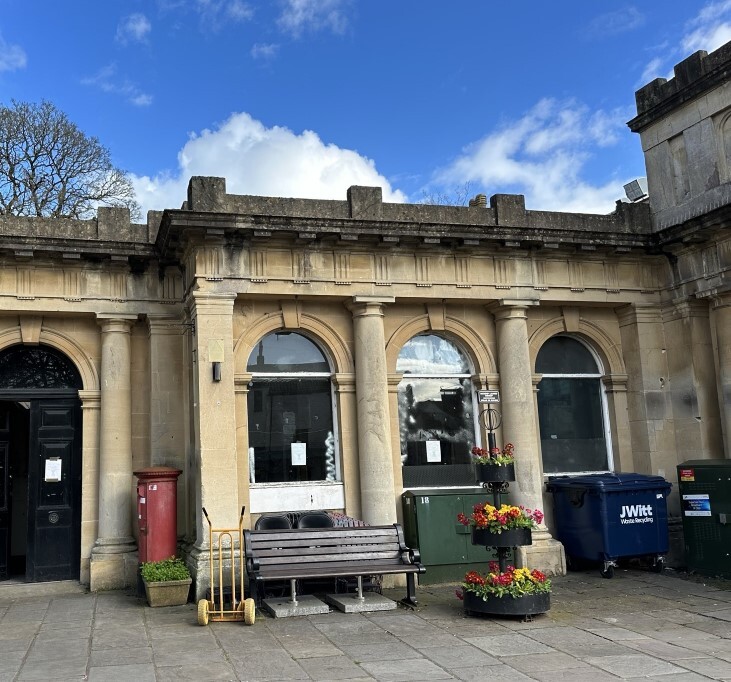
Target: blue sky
x=307, y=97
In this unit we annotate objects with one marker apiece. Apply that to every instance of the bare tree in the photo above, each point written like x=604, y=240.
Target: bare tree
x=50, y=168
x=460, y=196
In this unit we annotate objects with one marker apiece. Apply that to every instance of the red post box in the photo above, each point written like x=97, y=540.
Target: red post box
x=157, y=512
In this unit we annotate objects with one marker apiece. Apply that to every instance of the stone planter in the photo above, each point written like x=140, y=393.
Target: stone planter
x=515, y=537
x=495, y=473
x=527, y=605
x=168, y=592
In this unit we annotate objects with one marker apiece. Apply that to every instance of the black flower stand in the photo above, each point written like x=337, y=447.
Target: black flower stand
x=496, y=480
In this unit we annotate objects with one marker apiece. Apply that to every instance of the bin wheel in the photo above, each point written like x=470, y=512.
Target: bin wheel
x=607, y=571
x=203, y=609
x=249, y=611
x=657, y=565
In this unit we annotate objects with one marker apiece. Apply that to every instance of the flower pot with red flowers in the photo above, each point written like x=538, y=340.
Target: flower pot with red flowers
x=494, y=465
x=512, y=592
x=506, y=526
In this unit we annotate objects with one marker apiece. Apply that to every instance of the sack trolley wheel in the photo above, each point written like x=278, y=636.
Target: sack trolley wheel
x=203, y=611
x=249, y=611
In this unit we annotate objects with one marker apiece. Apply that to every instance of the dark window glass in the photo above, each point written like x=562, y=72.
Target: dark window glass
x=37, y=367
x=564, y=355
x=436, y=431
x=291, y=430
x=571, y=426
x=286, y=352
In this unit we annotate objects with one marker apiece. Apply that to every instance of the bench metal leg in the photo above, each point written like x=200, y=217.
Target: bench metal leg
x=293, y=589
x=360, y=588
x=410, y=599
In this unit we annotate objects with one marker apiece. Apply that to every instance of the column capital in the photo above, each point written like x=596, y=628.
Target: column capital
x=364, y=306
x=615, y=383
x=242, y=381
x=170, y=325
x=636, y=313
x=115, y=322
x=722, y=301
x=200, y=300
x=344, y=382
x=394, y=379
x=503, y=308
x=90, y=400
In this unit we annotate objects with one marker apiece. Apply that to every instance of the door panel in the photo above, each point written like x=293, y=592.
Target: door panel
x=4, y=503
x=54, y=491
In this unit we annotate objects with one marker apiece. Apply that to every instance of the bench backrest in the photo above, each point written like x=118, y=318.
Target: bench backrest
x=364, y=544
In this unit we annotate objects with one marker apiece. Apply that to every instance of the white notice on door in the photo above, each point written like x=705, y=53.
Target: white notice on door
x=299, y=454
x=433, y=451
x=53, y=470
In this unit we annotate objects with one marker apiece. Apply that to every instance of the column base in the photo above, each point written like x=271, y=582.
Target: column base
x=113, y=564
x=546, y=554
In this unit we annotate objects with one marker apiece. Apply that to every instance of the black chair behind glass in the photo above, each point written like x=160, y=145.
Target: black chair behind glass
x=272, y=522
x=315, y=520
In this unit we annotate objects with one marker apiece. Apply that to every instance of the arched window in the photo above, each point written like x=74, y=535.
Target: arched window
x=291, y=434
x=37, y=367
x=436, y=413
x=571, y=408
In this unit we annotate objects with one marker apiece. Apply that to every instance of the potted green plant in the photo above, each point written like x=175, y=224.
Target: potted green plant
x=495, y=465
x=167, y=582
x=507, y=526
x=515, y=591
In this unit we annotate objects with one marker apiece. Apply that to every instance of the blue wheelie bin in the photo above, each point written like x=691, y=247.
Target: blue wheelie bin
x=606, y=517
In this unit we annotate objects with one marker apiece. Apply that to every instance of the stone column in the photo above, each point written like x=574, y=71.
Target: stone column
x=519, y=426
x=243, y=461
x=378, y=497
x=114, y=558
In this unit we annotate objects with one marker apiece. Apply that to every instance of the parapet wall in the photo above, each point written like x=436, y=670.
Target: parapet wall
x=208, y=194
x=695, y=75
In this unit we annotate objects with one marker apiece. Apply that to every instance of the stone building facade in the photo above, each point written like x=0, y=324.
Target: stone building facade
x=291, y=354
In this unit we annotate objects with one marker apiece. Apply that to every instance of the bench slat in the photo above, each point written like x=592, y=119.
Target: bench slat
x=290, y=550
x=350, y=556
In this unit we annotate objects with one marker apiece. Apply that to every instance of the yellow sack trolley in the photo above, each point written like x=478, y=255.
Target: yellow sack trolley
x=222, y=607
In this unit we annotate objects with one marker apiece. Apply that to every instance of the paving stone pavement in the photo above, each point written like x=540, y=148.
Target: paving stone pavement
x=638, y=625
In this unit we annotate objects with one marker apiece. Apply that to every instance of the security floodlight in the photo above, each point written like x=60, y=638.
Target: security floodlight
x=636, y=190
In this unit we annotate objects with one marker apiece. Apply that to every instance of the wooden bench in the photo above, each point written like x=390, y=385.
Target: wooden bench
x=301, y=553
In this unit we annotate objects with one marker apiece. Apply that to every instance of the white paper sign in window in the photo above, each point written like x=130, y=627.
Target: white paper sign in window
x=299, y=454
x=433, y=451
x=53, y=470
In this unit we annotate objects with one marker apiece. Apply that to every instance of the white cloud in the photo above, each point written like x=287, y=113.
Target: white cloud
x=12, y=57
x=617, y=21
x=264, y=50
x=107, y=80
x=263, y=161
x=542, y=155
x=299, y=16
x=215, y=13
x=708, y=30
x=133, y=29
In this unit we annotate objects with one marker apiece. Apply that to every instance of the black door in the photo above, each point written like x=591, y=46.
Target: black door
x=4, y=491
x=54, y=491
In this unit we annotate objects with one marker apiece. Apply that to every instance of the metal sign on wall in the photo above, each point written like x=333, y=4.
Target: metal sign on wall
x=488, y=396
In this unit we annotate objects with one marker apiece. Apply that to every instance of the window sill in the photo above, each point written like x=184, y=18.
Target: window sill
x=281, y=497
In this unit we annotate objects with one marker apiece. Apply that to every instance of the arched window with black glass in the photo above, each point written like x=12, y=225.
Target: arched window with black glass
x=436, y=413
x=290, y=406
x=571, y=408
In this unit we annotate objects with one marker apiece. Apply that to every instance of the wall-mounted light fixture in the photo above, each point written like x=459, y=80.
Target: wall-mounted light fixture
x=215, y=356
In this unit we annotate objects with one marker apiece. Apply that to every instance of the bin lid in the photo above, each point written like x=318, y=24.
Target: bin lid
x=431, y=492
x=618, y=481
x=697, y=463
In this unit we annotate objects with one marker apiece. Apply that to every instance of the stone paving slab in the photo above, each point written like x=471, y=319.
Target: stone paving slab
x=636, y=626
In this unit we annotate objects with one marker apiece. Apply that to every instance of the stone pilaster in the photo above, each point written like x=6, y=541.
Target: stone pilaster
x=167, y=402
x=378, y=498
x=648, y=389
x=348, y=436
x=215, y=424
x=722, y=328
x=91, y=411
x=243, y=461
x=519, y=426
x=692, y=371
x=114, y=557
